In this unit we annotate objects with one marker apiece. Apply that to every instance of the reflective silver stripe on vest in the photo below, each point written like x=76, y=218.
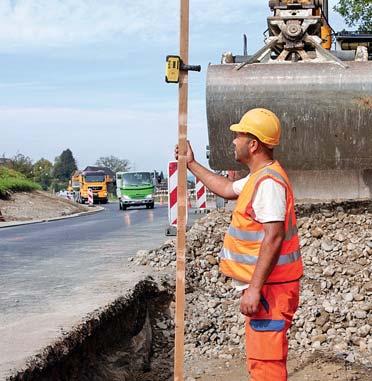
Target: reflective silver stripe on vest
x=258, y=235
x=292, y=229
x=246, y=235
x=248, y=259
x=291, y=232
x=289, y=258
x=269, y=171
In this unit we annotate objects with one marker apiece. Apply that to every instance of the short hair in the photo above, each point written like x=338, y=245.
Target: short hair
x=265, y=146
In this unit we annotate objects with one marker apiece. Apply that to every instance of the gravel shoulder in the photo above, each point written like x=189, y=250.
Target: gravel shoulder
x=37, y=205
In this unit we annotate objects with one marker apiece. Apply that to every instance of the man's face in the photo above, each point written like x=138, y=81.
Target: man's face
x=242, y=149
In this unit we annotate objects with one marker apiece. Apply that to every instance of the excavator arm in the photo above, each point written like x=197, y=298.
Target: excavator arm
x=323, y=98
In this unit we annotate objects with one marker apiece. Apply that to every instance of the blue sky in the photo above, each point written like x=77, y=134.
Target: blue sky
x=89, y=75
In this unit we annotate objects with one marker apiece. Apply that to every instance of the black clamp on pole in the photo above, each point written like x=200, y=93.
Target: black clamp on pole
x=190, y=67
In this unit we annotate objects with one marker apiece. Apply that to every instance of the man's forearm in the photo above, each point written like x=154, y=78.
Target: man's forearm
x=267, y=259
x=215, y=183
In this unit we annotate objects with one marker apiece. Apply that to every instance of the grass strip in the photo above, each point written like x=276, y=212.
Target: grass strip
x=12, y=181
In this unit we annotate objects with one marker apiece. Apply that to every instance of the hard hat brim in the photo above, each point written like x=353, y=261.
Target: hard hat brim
x=239, y=128
x=247, y=130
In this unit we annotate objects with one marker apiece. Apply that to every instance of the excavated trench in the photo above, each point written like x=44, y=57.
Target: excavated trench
x=114, y=344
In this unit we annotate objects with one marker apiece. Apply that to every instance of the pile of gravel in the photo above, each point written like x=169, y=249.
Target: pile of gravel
x=335, y=315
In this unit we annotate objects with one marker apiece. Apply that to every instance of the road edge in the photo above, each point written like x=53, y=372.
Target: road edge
x=10, y=224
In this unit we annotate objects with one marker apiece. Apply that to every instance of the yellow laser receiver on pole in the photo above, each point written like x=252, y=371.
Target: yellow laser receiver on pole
x=172, y=69
x=173, y=66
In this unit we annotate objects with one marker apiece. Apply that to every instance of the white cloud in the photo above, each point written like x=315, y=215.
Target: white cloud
x=59, y=22
x=145, y=136
x=29, y=23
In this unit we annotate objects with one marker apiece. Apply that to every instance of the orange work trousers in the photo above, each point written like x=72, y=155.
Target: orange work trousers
x=266, y=339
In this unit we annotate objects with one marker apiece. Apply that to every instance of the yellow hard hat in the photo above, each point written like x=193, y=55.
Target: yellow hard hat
x=262, y=123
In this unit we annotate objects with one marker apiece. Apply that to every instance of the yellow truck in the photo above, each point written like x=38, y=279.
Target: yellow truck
x=74, y=182
x=95, y=180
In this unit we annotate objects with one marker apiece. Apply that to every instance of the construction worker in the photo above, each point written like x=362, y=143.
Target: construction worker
x=261, y=250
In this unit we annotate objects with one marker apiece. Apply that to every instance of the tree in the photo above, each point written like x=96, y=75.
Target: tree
x=22, y=164
x=113, y=163
x=357, y=13
x=42, y=171
x=64, y=165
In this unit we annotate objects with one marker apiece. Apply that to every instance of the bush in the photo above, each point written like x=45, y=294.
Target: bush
x=12, y=181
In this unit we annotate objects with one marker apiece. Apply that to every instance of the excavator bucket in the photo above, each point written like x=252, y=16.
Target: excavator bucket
x=323, y=99
x=325, y=110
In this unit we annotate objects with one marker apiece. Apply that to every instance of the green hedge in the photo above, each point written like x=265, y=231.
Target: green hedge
x=12, y=181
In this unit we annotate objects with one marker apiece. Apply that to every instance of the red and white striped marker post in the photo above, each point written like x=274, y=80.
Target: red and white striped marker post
x=90, y=196
x=172, y=193
x=201, y=195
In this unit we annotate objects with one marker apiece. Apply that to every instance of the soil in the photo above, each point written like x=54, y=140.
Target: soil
x=37, y=205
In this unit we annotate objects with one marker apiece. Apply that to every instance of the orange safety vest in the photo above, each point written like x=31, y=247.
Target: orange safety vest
x=243, y=239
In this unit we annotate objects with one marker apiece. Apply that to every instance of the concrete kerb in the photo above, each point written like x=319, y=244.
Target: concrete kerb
x=96, y=209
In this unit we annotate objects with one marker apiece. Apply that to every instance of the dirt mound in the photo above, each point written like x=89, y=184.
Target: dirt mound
x=37, y=205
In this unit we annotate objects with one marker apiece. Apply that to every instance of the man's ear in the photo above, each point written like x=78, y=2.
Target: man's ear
x=254, y=145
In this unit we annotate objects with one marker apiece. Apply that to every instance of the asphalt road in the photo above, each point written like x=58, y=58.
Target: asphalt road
x=54, y=273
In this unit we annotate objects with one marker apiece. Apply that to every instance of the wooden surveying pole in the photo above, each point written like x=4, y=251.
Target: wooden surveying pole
x=179, y=351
